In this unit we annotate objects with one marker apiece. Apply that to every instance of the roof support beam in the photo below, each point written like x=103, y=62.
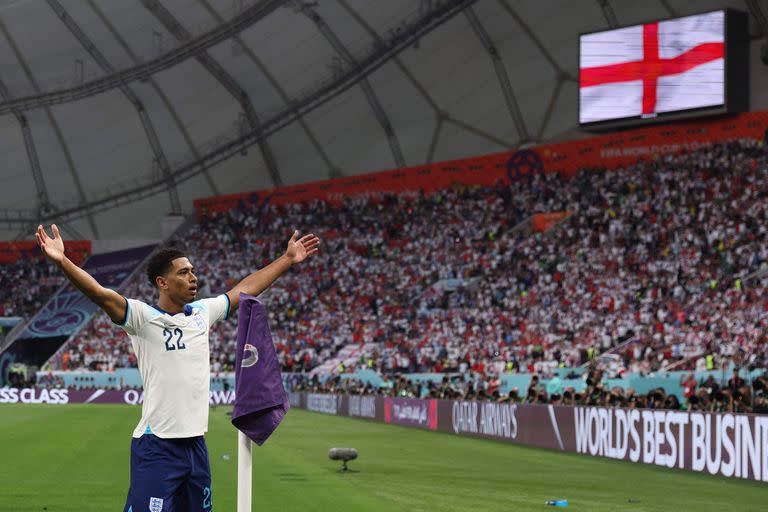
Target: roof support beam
x=759, y=13
x=501, y=75
x=365, y=85
x=182, y=35
x=476, y=131
x=441, y=115
x=379, y=55
x=435, y=139
x=332, y=169
x=54, y=124
x=536, y=41
x=146, y=122
x=610, y=16
x=114, y=80
x=66, y=227
x=550, y=108
x=407, y=72
x=43, y=201
x=669, y=8
x=168, y=105
x=44, y=205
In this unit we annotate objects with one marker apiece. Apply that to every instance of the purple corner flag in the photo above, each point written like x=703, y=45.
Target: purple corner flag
x=260, y=399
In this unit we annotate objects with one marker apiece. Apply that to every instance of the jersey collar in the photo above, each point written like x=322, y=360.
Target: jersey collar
x=187, y=310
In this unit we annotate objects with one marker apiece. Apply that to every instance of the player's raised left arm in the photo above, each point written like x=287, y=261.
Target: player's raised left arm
x=297, y=251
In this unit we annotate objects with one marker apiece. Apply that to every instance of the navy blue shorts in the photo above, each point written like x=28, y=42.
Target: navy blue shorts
x=169, y=475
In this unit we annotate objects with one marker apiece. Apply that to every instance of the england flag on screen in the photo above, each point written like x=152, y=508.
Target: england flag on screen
x=653, y=68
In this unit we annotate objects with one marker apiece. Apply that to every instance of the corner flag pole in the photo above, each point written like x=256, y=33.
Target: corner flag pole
x=260, y=398
x=244, y=473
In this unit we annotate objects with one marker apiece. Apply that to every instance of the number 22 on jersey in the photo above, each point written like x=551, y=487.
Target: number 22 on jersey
x=169, y=339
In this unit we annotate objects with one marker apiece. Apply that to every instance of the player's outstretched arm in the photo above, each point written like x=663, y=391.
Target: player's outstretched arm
x=297, y=251
x=108, y=300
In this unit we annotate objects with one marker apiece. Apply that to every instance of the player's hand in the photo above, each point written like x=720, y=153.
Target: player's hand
x=300, y=248
x=53, y=248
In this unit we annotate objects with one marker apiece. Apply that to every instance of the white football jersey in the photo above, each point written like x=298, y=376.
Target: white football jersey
x=173, y=356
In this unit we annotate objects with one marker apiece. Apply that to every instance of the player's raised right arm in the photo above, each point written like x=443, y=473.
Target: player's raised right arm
x=109, y=300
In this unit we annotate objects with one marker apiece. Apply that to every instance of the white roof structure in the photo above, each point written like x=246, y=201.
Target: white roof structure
x=114, y=114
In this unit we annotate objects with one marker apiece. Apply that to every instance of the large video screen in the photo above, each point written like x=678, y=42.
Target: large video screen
x=660, y=70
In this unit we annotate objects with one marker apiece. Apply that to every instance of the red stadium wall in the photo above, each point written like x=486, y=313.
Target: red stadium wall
x=608, y=151
x=11, y=252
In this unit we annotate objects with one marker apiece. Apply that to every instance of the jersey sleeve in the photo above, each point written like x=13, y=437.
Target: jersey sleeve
x=218, y=308
x=136, y=315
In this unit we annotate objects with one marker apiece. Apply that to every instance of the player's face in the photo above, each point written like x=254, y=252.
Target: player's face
x=182, y=283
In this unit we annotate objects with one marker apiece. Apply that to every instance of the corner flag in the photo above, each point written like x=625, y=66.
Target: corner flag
x=260, y=398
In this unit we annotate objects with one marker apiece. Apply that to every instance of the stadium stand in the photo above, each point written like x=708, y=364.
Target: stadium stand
x=735, y=395
x=659, y=266
x=40, y=280
x=22, y=267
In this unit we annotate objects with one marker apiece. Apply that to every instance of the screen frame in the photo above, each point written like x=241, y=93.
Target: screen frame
x=736, y=75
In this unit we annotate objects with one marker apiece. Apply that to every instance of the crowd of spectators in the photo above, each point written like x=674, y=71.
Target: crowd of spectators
x=661, y=264
x=734, y=395
x=26, y=285
x=666, y=255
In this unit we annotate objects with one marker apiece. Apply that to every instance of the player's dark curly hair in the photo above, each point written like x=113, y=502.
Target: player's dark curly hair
x=161, y=262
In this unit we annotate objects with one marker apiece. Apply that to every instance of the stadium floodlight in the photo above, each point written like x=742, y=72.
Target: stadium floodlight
x=344, y=455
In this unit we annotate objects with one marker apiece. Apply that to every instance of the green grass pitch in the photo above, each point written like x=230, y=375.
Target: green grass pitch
x=75, y=458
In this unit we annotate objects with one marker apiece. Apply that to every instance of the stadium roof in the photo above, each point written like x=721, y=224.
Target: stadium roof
x=114, y=114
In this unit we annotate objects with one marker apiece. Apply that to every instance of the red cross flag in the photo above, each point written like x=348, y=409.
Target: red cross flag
x=653, y=68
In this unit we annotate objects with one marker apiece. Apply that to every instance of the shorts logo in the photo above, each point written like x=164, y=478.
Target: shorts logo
x=155, y=504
